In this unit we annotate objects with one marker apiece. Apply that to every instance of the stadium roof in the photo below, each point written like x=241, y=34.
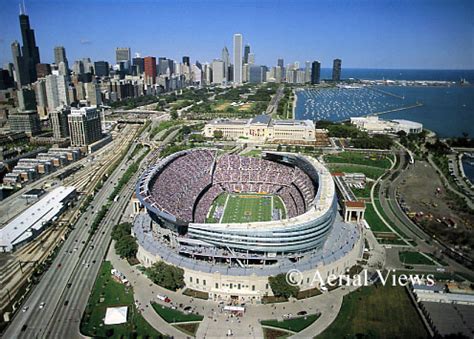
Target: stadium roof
x=32, y=220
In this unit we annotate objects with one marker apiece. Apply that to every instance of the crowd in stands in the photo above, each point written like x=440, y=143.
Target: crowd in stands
x=183, y=180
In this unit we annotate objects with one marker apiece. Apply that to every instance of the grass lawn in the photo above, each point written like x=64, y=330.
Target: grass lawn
x=295, y=324
x=248, y=208
x=377, y=312
x=113, y=294
x=175, y=316
x=414, y=258
x=370, y=172
x=270, y=333
x=189, y=329
x=363, y=192
x=374, y=160
x=376, y=224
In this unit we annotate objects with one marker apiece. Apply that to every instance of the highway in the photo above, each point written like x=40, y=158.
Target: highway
x=72, y=272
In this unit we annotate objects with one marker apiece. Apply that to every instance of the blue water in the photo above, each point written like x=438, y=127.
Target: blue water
x=401, y=74
x=448, y=111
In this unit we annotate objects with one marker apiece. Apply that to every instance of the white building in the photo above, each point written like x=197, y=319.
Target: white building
x=237, y=59
x=33, y=220
x=52, y=94
x=374, y=125
x=263, y=128
x=218, y=73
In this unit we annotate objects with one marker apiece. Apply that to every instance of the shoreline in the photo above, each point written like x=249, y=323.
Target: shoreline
x=293, y=113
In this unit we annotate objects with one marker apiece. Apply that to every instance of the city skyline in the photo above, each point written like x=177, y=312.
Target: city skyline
x=442, y=40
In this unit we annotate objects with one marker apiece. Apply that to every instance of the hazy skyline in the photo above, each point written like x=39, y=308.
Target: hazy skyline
x=364, y=34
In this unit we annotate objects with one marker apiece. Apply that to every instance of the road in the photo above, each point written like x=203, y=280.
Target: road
x=70, y=266
x=389, y=203
x=273, y=105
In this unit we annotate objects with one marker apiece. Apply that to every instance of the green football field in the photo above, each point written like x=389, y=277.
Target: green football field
x=247, y=208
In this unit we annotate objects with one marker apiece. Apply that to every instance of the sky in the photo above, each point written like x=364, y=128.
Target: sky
x=405, y=34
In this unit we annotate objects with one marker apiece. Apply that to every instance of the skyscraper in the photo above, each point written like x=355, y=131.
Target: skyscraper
x=29, y=49
x=251, y=59
x=186, y=61
x=226, y=60
x=84, y=126
x=59, y=122
x=307, y=72
x=218, y=72
x=255, y=74
x=101, y=68
x=246, y=54
x=21, y=71
x=315, y=72
x=59, y=55
x=122, y=54
x=140, y=64
x=150, y=69
x=237, y=59
x=336, y=70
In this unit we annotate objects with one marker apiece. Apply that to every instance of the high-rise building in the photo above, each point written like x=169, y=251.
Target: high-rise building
x=315, y=72
x=250, y=59
x=21, y=75
x=307, y=72
x=218, y=72
x=186, y=61
x=6, y=81
x=150, y=69
x=30, y=51
x=226, y=60
x=139, y=62
x=26, y=99
x=123, y=54
x=60, y=55
x=255, y=74
x=27, y=121
x=63, y=90
x=59, y=122
x=93, y=95
x=84, y=126
x=43, y=70
x=246, y=54
x=281, y=63
x=41, y=98
x=101, y=68
x=52, y=94
x=336, y=70
x=237, y=59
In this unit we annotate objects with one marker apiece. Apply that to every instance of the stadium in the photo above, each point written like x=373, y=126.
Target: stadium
x=232, y=221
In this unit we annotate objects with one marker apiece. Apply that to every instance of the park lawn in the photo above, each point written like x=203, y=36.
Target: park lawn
x=373, y=160
x=188, y=328
x=247, y=208
x=271, y=333
x=370, y=172
x=414, y=258
x=377, y=312
x=294, y=324
x=363, y=192
x=376, y=224
x=114, y=294
x=175, y=316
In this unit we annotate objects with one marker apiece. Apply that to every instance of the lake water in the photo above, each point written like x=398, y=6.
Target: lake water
x=448, y=111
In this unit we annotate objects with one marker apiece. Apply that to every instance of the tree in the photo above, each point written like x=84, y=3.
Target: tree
x=218, y=134
x=126, y=247
x=121, y=230
x=167, y=276
x=174, y=114
x=281, y=288
x=279, y=148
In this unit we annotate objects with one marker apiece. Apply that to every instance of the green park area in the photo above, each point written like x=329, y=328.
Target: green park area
x=185, y=322
x=296, y=324
x=369, y=171
x=107, y=292
x=377, y=312
x=355, y=158
x=414, y=258
x=247, y=208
